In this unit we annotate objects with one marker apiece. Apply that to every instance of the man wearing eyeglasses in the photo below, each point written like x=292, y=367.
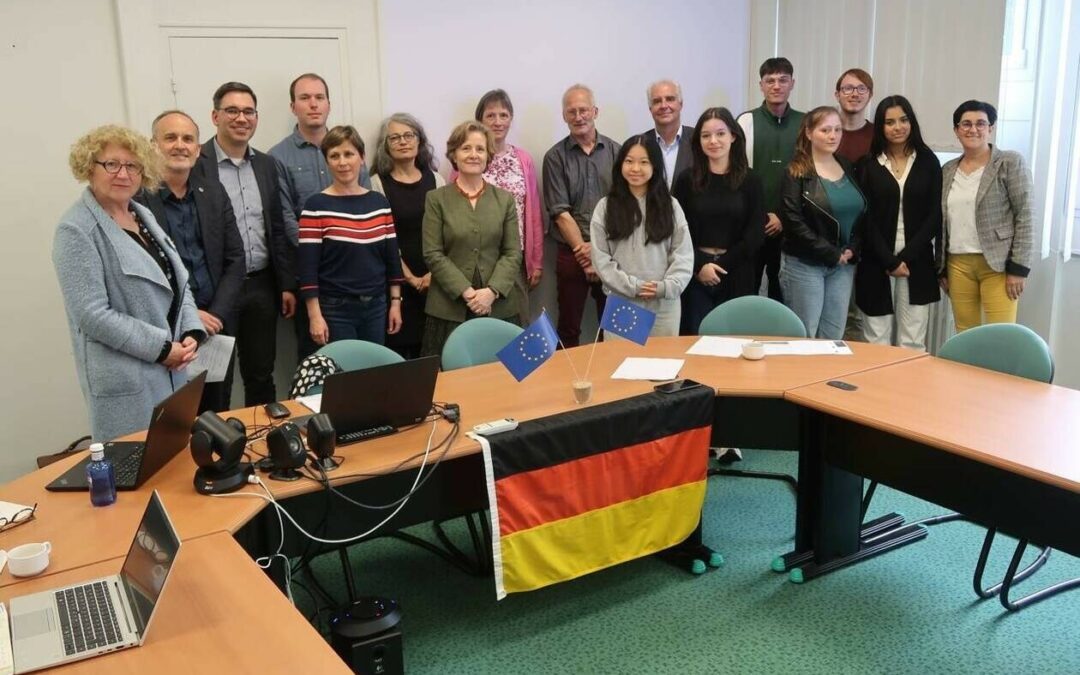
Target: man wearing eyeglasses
x=771, y=130
x=577, y=174
x=854, y=89
x=250, y=178
x=302, y=171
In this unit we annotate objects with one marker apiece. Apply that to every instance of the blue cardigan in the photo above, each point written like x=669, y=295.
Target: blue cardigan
x=117, y=301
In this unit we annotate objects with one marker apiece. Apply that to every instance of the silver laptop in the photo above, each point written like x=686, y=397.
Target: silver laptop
x=101, y=616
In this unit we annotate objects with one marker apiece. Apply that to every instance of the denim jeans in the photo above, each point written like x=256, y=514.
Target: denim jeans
x=818, y=294
x=357, y=317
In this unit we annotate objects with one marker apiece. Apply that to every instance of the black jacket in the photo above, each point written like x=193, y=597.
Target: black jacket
x=685, y=159
x=222, y=245
x=282, y=256
x=810, y=230
x=922, y=224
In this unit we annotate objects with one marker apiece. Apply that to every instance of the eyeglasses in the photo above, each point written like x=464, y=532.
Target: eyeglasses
x=573, y=113
x=406, y=138
x=19, y=518
x=968, y=125
x=113, y=166
x=849, y=89
x=233, y=113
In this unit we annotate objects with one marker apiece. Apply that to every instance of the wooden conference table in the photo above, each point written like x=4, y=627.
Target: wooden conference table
x=1001, y=450
x=82, y=535
x=756, y=401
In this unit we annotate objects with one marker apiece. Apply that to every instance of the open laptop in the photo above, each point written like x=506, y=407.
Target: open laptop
x=100, y=616
x=134, y=461
x=370, y=402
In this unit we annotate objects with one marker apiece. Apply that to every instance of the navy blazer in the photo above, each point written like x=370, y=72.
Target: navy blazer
x=222, y=245
x=685, y=159
x=282, y=256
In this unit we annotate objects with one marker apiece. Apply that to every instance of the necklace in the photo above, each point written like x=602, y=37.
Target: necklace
x=898, y=166
x=471, y=196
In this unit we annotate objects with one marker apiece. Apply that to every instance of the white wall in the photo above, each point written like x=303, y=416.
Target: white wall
x=59, y=62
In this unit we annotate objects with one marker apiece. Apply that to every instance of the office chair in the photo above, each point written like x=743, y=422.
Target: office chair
x=477, y=341
x=753, y=315
x=1014, y=350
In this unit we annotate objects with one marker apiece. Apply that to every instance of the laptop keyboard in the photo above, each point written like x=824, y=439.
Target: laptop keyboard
x=127, y=469
x=365, y=434
x=87, y=618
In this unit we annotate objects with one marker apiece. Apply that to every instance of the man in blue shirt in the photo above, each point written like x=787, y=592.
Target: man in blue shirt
x=302, y=170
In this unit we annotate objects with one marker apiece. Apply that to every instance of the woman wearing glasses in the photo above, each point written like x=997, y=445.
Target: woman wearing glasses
x=986, y=202
x=404, y=171
x=134, y=324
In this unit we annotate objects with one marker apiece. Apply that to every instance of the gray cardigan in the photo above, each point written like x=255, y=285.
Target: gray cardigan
x=624, y=264
x=1002, y=213
x=117, y=301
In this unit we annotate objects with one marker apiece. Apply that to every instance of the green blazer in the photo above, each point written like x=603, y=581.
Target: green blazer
x=461, y=242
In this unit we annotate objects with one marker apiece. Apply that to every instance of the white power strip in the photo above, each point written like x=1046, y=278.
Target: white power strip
x=496, y=427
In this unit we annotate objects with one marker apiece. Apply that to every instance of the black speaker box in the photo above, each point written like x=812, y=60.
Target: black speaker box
x=367, y=636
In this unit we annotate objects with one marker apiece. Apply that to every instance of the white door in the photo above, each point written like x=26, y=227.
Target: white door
x=199, y=64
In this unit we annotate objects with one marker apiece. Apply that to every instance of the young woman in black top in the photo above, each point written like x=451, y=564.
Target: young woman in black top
x=724, y=205
x=895, y=282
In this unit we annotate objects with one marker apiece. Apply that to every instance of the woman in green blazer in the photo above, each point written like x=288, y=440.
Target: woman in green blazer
x=471, y=242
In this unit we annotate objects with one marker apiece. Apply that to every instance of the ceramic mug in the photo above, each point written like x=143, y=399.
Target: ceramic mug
x=28, y=560
x=753, y=351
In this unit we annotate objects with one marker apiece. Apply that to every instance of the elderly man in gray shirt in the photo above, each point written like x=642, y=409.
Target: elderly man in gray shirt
x=302, y=171
x=577, y=174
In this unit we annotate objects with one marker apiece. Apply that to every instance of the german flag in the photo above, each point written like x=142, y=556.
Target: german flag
x=581, y=491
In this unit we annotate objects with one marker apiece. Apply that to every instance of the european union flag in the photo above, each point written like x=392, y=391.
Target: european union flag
x=528, y=351
x=627, y=320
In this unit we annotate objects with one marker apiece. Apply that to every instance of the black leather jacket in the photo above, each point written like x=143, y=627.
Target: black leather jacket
x=810, y=230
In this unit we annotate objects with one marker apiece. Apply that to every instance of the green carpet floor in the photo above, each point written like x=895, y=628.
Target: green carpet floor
x=909, y=611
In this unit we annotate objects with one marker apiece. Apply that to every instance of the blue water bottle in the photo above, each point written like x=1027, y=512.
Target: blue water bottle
x=101, y=477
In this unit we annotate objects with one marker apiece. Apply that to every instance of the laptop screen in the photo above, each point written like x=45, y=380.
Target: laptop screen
x=148, y=562
x=170, y=426
x=397, y=394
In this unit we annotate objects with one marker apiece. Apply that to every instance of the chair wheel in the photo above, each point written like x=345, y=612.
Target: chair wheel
x=796, y=576
x=697, y=567
x=716, y=560
x=778, y=564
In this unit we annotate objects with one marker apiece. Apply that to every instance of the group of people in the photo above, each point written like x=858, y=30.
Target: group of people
x=174, y=242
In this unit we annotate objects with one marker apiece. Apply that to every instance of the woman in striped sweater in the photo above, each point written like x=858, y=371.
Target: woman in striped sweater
x=348, y=255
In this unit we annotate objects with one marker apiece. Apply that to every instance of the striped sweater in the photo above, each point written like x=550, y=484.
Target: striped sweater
x=347, y=246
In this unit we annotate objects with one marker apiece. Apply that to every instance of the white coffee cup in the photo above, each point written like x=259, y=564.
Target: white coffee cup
x=753, y=351
x=28, y=560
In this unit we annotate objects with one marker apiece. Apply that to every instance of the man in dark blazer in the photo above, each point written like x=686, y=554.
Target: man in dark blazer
x=250, y=178
x=197, y=215
x=665, y=105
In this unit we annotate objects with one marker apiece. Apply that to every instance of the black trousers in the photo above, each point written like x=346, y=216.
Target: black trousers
x=256, y=337
x=768, y=261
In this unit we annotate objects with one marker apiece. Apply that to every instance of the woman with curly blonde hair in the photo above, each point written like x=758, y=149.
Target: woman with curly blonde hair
x=133, y=321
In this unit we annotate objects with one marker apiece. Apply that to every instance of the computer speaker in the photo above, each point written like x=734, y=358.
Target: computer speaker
x=322, y=441
x=287, y=451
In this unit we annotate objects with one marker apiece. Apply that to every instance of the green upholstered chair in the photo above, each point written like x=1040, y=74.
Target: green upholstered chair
x=1014, y=350
x=477, y=341
x=356, y=355
x=753, y=315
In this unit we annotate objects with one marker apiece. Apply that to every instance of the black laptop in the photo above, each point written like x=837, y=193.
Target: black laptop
x=134, y=461
x=372, y=402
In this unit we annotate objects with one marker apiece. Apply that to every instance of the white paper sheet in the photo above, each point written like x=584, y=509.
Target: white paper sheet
x=213, y=356
x=636, y=368
x=805, y=347
x=313, y=402
x=712, y=345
